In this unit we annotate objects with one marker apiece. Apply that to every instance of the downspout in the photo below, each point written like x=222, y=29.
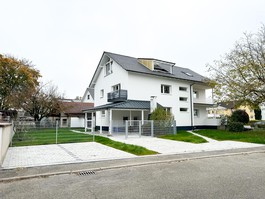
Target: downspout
x=191, y=107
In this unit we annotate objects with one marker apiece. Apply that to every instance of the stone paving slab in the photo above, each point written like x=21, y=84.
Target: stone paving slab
x=42, y=155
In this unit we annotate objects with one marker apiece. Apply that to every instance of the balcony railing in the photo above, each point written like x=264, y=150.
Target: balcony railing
x=117, y=96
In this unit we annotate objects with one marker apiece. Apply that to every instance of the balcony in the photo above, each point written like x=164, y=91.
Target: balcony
x=117, y=96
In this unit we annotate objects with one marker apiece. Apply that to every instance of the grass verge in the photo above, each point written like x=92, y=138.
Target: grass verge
x=184, y=136
x=48, y=136
x=253, y=136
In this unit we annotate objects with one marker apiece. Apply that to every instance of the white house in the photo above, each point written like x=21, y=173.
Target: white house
x=128, y=88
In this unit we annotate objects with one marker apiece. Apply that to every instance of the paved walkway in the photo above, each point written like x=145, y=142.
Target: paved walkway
x=165, y=146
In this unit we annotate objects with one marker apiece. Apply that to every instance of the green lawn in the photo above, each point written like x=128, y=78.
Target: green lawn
x=253, y=136
x=185, y=137
x=48, y=136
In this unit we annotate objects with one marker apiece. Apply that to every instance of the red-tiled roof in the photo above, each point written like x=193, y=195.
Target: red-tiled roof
x=76, y=107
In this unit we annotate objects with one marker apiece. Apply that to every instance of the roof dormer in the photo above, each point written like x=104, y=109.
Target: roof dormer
x=157, y=65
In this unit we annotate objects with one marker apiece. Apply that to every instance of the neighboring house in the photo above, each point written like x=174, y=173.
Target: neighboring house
x=227, y=108
x=128, y=88
x=72, y=115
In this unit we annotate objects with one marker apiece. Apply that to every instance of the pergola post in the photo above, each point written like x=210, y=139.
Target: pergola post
x=110, y=121
x=142, y=117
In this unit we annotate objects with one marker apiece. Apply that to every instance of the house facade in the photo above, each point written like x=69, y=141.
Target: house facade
x=128, y=88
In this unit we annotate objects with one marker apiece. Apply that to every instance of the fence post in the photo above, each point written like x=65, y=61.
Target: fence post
x=126, y=129
x=56, y=131
x=92, y=128
x=174, y=127
x=140, y=128
x=152, y=128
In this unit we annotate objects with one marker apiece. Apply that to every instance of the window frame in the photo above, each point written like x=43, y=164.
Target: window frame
x=180, y=99
x=108, y=68
x=183, y=88
x=183, y=109
x=163, y=86
x=101, y=93
x=114, y=88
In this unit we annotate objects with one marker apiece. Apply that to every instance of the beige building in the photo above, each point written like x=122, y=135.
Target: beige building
x=226, y=108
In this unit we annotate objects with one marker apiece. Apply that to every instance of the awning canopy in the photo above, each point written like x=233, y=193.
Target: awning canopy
x=128, y=104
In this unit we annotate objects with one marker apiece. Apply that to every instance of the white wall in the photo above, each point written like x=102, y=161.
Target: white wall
x=142, y=87
x=76, y=122
x=118, y=76
x=6, y=135
x=145, y=86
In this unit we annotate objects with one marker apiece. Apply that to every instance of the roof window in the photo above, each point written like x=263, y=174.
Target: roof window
x=188, y=74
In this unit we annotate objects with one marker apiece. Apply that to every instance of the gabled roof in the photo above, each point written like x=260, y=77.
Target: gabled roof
x=129, y=104
x=75, y=107
x=132, y=64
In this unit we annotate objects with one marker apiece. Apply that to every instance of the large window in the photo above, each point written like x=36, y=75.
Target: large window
x=165, y=89
x=108, y=68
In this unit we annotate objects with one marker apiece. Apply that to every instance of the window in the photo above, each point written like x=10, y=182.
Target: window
x=168, y=110
x=64, y=122
x=103, y=113
x=184, y=99
x=196, y=112
x=183, y=109
x=187, y=73
x=101, y=93
x=116, y=87
x=183, y=88
x=88, y=97
x=195, y=94
x=108, y=68
x=165, y=89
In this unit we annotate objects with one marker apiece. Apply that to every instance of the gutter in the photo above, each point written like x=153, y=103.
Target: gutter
x=191, y=107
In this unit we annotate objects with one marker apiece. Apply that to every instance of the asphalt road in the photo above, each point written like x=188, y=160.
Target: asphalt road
x=240, y=176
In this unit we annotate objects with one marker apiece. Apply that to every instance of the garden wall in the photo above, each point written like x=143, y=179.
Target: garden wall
x=6, y=135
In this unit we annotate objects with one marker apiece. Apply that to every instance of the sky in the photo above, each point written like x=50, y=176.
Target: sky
x=65, y=39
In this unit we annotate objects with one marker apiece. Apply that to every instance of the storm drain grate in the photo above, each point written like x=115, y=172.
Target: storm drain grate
x=85, y=173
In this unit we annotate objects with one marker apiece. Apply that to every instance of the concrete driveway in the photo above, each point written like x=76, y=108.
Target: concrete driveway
x=42, y=155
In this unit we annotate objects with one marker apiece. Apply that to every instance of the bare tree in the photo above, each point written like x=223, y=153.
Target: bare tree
x=43, y=102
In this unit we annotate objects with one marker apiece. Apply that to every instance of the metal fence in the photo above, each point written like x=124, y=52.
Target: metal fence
x=40, y=133
x=140, y=128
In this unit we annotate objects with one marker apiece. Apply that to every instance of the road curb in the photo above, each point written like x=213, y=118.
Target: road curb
x=45, y=175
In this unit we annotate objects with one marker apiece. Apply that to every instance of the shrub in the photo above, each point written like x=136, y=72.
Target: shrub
x=239, y=116
x=161, y=114
x=235, y=126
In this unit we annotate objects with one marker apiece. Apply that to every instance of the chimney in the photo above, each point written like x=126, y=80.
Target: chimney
x=153, y=103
